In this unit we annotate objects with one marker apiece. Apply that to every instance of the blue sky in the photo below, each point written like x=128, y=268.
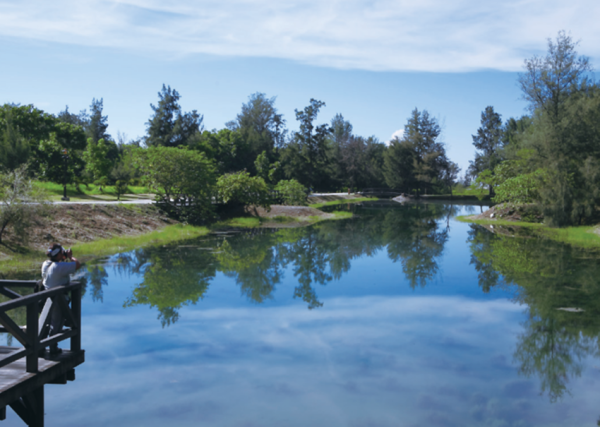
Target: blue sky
x=372, y=61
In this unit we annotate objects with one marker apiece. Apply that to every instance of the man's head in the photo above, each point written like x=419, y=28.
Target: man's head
x=55, y=252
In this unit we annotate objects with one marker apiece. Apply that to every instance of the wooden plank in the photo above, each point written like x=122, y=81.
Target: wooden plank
x=9, y=305
x=58, y=338
x=14, y=329
x=32, y=334
x=43, y=321
x=66, y=310
x=34, y=401
x=21, y=283
x=14, y=381
x=9, y=293
x=22, y=411
x=19, y=353
x=76, y=310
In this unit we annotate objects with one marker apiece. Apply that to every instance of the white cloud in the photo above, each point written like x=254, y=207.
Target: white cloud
x=430, y=35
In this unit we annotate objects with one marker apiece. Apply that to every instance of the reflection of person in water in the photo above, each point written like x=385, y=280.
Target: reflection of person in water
x=55, y=272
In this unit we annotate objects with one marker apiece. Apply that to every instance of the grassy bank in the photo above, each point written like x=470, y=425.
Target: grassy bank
x=583, y=237
x=170, y=233
x=254, y=222
x=342, y=202
x=503, y=222
x=24, y=259
x=23, y=262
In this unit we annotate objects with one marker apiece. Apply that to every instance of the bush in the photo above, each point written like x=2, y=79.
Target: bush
x=524, y=188
x=293, y=192
x=242, y=189
x=183, y=180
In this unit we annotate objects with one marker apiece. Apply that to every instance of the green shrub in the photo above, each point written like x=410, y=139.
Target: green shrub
x=522, y=188
x=242, y=189
x=293, y=192
x=182, y=179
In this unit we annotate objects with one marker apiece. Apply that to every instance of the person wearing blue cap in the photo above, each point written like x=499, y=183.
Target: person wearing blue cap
x=56, y=271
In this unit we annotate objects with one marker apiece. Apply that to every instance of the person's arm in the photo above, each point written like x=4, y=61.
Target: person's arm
x=70, y=255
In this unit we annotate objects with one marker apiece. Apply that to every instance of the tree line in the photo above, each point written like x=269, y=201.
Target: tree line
x=182, y=160
x=549, y=158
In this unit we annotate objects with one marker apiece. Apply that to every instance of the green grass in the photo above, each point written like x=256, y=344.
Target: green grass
x=241, y=222
x=22, y=259
x=90, y=192
x=253, y=222
x=343, y=202
x=342, y=215
x=583, y=237
x=281, y=219
x=460, y=190
x=170, y=233
x=465, y=218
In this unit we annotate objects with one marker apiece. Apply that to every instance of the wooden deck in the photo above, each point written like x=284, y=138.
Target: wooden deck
x=25, y=370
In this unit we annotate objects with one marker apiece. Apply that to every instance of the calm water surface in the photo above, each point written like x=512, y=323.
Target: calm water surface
x=401, y=316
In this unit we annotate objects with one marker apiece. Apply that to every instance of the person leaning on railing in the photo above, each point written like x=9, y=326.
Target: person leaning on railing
x=55, y=272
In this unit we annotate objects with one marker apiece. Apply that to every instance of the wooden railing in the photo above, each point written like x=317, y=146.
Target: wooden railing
x=32, y=336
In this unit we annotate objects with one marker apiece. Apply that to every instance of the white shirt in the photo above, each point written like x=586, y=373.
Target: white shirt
x=57, y=273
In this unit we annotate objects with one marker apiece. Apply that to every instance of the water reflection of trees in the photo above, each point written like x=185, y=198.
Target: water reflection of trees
x=551, y=277
x=413, y=235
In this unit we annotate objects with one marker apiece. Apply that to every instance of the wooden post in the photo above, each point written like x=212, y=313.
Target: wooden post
x=32, y=333
x=34, y=404
x=39, y=410
x=76, y=310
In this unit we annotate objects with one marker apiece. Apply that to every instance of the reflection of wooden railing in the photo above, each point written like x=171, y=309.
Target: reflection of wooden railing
x=32, y=336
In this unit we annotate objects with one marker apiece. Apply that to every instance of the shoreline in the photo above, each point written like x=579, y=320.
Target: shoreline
x=584, y=237
x=22, y=262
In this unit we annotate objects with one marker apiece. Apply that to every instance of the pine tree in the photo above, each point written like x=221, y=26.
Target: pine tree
x=169, y=126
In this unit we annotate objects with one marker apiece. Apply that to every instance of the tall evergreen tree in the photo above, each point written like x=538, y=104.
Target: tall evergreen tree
x=488, y=141
x=169, y=126
x=97, y=124
x=306, y=158
x=14, y=148
x=341, y=133
x=261, y=127
x=398, y=168
x=80, y=119
x=418, y=160
x=548, y=82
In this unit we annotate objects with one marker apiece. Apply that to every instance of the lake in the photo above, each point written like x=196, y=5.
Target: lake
x=400, y=316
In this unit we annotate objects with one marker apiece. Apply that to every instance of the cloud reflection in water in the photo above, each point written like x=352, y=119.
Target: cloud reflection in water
x=357, y=361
